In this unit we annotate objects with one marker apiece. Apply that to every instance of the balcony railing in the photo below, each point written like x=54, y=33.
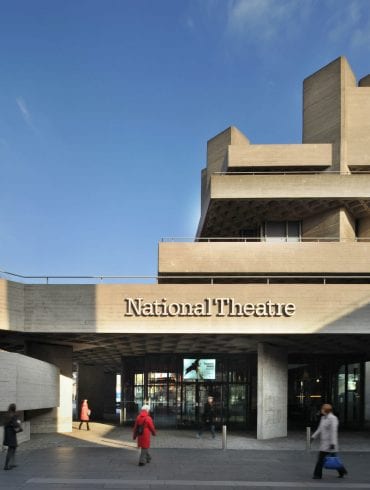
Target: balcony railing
x=263, y=239
x=186, y=279
x=292, y=172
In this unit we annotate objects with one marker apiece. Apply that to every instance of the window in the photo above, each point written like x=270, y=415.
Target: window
x=250, y=234
x=282, y=231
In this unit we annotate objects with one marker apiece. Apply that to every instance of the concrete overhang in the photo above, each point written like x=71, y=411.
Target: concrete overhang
x=298, y=156
x=195, y=309
x=107, y=350
x=264, y=258
x=290, y=186
x=238, y=201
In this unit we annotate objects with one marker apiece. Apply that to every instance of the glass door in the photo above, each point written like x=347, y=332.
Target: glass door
x=189, y=409
x=348, y=397
x=237, y=404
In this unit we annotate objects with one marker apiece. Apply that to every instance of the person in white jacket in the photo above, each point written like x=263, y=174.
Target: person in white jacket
x=328, y=432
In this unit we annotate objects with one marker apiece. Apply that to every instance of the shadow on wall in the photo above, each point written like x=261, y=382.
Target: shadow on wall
x=356, y=321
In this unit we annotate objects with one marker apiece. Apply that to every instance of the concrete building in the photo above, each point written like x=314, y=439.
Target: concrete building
x=267, y=309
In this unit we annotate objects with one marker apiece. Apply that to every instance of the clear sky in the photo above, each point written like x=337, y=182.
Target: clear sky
x=106, y=107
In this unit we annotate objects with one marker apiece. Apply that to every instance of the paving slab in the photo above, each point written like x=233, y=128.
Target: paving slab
x=107, y=458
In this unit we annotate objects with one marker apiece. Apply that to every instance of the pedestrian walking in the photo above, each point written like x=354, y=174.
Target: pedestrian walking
x=11, y=428
x=208, y=418
x=328, y=433
x=143, y=429
x=85, y=413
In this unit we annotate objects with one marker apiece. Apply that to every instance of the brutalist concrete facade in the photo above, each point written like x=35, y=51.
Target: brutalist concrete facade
x=279, y=270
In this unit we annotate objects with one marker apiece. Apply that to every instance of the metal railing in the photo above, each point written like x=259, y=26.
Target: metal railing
x=292, y=172
x=266, y=240
x=186, y=278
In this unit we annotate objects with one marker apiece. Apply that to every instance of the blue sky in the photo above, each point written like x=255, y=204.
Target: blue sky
x=106, y=108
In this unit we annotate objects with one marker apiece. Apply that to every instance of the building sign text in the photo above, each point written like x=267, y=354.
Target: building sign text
x=219, y=307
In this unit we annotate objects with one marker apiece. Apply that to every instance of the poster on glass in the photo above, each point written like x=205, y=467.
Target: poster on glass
x=199, y=369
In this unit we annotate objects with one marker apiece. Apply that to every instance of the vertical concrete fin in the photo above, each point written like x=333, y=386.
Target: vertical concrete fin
x=324, y=108
x=217, y=148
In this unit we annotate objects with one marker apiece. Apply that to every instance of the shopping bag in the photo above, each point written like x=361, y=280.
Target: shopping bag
x=332, y=462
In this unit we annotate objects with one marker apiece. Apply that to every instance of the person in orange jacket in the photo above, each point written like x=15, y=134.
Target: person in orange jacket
x=143, y=428
x=84, y=414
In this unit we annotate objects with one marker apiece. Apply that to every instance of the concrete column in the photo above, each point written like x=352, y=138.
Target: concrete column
x=272, y=392
x=98, y=388
x=57, y=419
x=110, y=381
x=367, y=393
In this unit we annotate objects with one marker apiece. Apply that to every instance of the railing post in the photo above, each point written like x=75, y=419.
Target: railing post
x=224, y=437
x=308, y=438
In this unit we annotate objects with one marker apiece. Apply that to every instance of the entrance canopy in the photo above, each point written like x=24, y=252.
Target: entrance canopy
x=109, y=349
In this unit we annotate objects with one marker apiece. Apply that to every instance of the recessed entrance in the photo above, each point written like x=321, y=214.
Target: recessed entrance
x=178, y=402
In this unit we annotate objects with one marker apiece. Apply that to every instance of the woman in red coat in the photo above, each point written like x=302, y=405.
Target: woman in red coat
x=145, y=421
x=85, y=414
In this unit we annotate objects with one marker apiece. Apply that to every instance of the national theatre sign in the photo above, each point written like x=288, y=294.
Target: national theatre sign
x=219, y=307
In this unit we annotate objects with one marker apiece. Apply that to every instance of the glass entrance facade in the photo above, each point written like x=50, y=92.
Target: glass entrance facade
x=330, y=380
x=177, y=398
x=177, y=395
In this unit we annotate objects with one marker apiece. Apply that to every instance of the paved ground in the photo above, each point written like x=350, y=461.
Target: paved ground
x=106, y=458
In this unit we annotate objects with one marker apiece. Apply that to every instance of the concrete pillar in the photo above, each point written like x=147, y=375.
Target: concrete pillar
x=110, y=382
x=99, y=388
x=57, y=419
x=272, y=392
x=367, y=393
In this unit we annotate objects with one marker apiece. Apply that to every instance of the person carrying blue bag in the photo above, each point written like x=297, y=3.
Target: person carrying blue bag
x=328, y=432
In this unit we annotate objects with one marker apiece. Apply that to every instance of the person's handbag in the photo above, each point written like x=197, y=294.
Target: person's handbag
x=18, y=427
x=333, y=462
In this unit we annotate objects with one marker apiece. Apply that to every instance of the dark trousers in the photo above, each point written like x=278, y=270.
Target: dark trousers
x=207, y=426
x=10, y=456
x=144, y=456
x=320, y=463
x=87, y=424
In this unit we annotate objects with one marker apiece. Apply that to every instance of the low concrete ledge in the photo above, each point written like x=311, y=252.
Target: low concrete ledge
x=29, y=383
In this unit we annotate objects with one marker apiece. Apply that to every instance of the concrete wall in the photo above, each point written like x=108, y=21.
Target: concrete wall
x=29, y=383
x=358, y=127
x=322, y=225
x=324, y=108
x=217, y=148
x=316, y=186
x=270, y=258
x=367, y=394
x=11, y=305
x=363, y=230
x=272, y=392
x=279, y=156
x=347, y=229
x=58, y=419
x=319, y=308
x=337, y=224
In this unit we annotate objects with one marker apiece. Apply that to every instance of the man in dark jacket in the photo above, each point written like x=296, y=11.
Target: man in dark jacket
x=11, y=428
x=208, y=418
